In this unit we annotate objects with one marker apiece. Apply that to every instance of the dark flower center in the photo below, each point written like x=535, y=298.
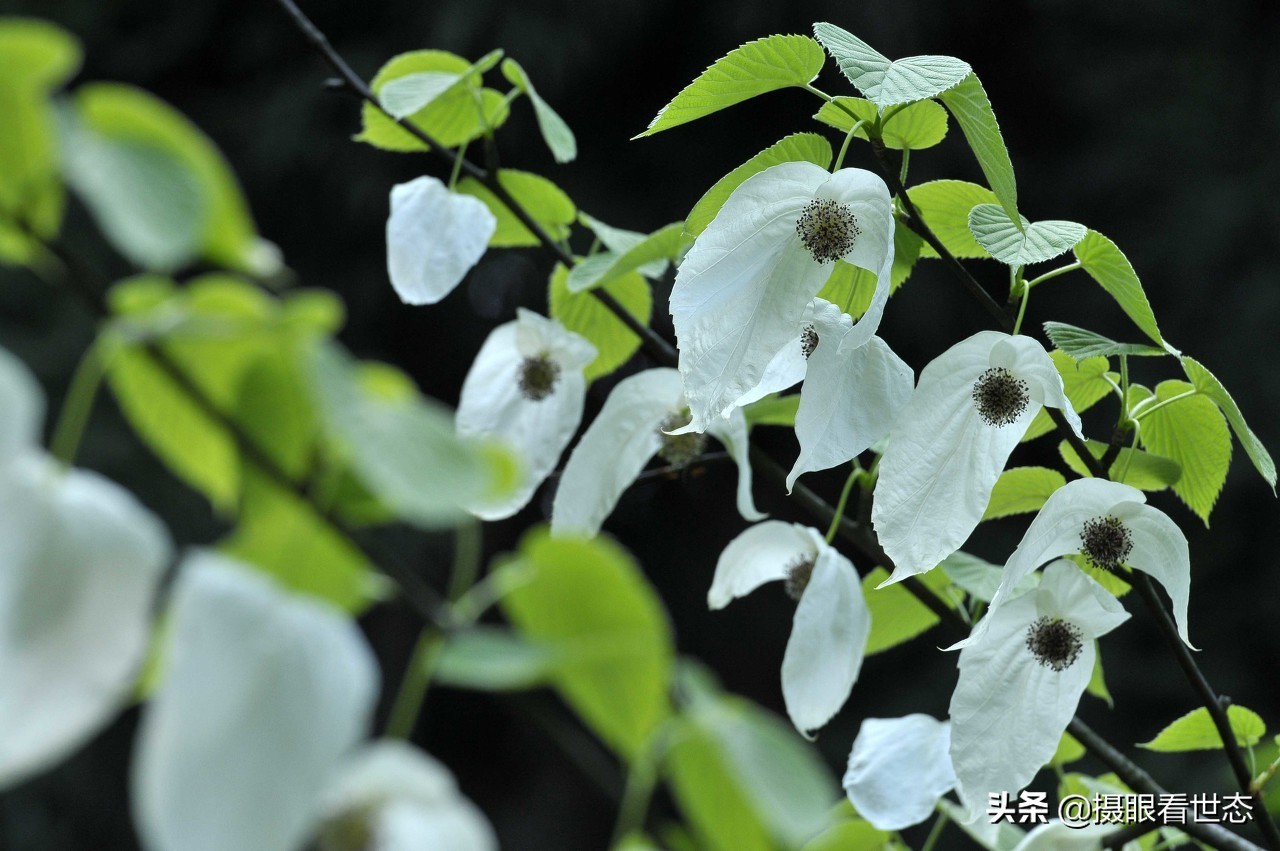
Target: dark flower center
x=1000, y=396
x=798, y=574
x=679, y=450
x=1055, y=643
x=1106, y=542
x=808, y=341
x=538, y=377
x=828, y=229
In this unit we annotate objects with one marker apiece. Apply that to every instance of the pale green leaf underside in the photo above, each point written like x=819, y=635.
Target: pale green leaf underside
x=1192, y=432
x=914, y=127
x=944, y=205
x=757, y=67
x=885, y=82
x=1033, y=242
x=1107, y=265
x=798, y=147
x=1085, y=384
x=1133, y=467
x=405, y=95
x=494, y=659
x=971, y=108
x=1083, y=343
x=665, y=244
x=1210, y=386
x=555, y=132
x=1195, y=731
x=1022, y=490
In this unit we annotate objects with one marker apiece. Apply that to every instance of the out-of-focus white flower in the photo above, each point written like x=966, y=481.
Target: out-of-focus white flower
x=951, y=441
x=264, y=693
x=630, y=429
x=832, y=622
x=391, y=796
x=526, y=388
x=434, y=237
x=898, y=769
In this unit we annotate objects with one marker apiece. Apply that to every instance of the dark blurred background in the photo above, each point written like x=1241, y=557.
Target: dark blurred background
x=1155, y=123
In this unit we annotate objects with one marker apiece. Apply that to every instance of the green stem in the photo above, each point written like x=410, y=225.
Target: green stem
x=906, y=158
x=642, y=779
x=938, y=827
x=1128, y=459
x=1053, y=273
x=1138, y=415
x=1022, y=308
x=848, y=137
x=78, y=404
x=459, y=159
x=844, y=500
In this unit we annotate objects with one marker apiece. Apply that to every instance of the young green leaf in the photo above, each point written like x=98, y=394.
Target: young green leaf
x=1085, y=383
x=920, y=125
x=406, y=95
x=1025, y=243
x=1142, y=470
x=852, y=287
x=773, y=410
x=944, y=205
x=1193, y=433
x=887, y=83
x=1082, y=343
x=971, y=108
x=852, y=835
x=1069, y=750
x=896, y=615
x=582, y=313
x=542, y=199
x=757, y=67
x=1098, y=679
x=798, y=147
x=557, y=135
x=667, y=244
x=1107, y=265
x=1210, y=386
x=1022, y=490
x=36, y=54
x=709, y=795
x=1195, y=731
x=493, y=659
x=977, y=577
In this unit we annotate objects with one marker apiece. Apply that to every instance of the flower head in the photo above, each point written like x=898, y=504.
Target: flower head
x=1022, y=675
x=950, y=442
x=526, y=389
x=434, y=237
x=633, y=426
x=898, y=769
x=832, y=622
x=742, y=290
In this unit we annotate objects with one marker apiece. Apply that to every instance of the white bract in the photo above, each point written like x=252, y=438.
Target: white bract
x=264, y=693
x=525, y=389
x=741, y=292
x=629, y=431
x=951, y=441
x=1020, y=681
x=898, y=769
x=80, y=560
x=1060, y=836
x=832, y=622
x=391, y=796
x=434, y=237
x=1111, y=525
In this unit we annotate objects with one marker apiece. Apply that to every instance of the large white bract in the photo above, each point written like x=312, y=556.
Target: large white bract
x=434, y=237
x=898, y=769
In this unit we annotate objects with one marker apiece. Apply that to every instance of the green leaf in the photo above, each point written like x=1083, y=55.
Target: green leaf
x=1002, y=836
x=798, y=147
x=1193, y=433
x=584, y=314
x=850, y=835
x=36, y=54
x=489, y=658
x=1069, y=750
x=757, y=67
x=591, y=598
x=401, y=446
x=915, y=127
x=1142, y=470
x=452, y=119
x=1195, y=731
x=541, y=199
x=122, y=116
x=404, y=96
x=971, y=108
x=896, y=615
x=1085, y=384
x=1022, y=490
x=708, y=795
x=851, y=287
x=886, y=83
x=1081, y=343
x=557, y=135
x=773, y=410
x=977, y=577
x=1020, y=245
x=1204, y=381
x=1097, y=680
x=667, y=244
x=944, y=205
x=1107, y=265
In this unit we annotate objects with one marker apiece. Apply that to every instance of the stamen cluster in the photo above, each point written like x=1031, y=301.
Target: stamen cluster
x=828, y=229
x=679, y=450
x=808, y=341
x=538, y=377
x=1000, y=396
x=1106, y=542
x=799, y=572
x=1055, y=643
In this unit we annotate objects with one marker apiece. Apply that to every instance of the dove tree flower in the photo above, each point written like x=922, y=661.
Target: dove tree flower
x=434, y=237
x=1023, y=676
x=631, y=428
x=950, y=442
x=898, y=769
x=390, y=796
x=526, y=388
x=264, y=694
x=80, y=562
x=832, y=621
x=741, y=292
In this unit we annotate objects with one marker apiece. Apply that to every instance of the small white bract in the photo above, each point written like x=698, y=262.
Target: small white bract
x=898, y=769
x=832, y=622
x=434, y=237
x=950, y=442
x=525, y=389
